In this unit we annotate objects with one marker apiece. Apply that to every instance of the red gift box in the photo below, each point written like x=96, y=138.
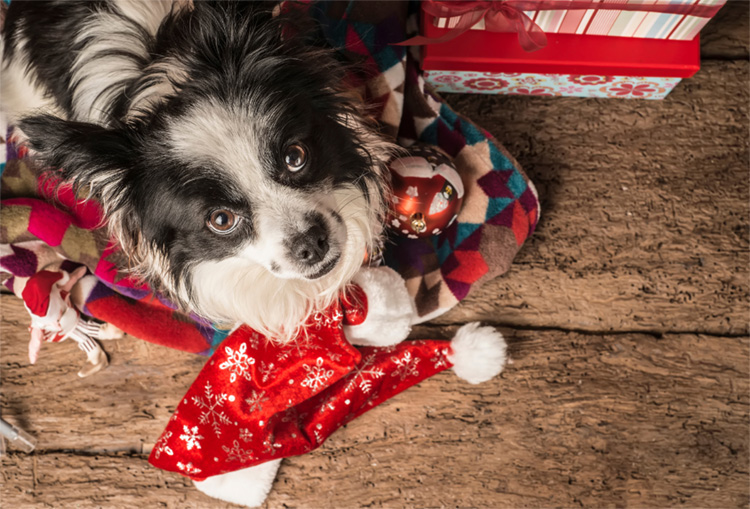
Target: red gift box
x=579, y=65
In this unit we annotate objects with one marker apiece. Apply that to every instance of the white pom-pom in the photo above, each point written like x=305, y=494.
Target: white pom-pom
x=390, y=310
x=478, y=353
x=248, y=487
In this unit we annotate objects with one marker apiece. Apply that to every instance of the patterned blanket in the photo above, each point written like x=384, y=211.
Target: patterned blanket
x=43, y=230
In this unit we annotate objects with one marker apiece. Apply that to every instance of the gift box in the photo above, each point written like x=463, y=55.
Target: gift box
x=610, y=48
x=652, y=19
x=570, y=65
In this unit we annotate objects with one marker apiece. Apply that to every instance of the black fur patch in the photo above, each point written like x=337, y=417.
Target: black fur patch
x=231, y=53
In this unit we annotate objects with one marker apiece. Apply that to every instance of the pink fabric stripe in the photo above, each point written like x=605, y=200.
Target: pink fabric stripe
x=571, y=21
x=555, y=21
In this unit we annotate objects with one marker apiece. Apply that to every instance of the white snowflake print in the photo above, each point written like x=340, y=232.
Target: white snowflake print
x=267, y=370
x=395, y=222
x=318, y=434
x=327, y=404
x=316, y=375
x=254, y=341
x=238, y=362
x=210, y=409
x=162, y=445
x=189, y=468
x=406, y=366
x=245, y=435
x=363, y=375
x=191, y=437
x=441, y=358
x=335, y=357
x=236, y=453
x=269, y=447
x=412, y=191
x=256, y=400
x=320, y=319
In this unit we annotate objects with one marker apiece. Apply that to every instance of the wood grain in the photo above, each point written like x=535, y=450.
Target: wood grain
x=626, y=316
x=644, y=210
x=575, y=419
x=725, y=37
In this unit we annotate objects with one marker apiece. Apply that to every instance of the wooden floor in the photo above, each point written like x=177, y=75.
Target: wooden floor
x=626, y=315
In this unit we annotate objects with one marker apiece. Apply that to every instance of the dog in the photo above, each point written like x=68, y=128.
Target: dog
x=239, y=176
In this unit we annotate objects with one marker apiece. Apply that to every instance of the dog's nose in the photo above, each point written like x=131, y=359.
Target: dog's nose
x=311, y=246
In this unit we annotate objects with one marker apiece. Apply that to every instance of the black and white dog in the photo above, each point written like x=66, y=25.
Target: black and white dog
x=236, y=172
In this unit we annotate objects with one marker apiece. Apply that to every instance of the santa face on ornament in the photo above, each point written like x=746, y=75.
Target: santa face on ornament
x=427, y=192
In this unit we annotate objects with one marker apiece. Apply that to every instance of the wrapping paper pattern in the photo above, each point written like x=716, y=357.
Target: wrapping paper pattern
x=615, y=23
x=620, y=87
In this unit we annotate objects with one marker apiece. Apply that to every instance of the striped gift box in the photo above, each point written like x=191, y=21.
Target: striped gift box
x=604, y=20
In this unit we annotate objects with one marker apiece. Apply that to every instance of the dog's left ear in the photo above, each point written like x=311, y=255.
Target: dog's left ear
x=83, y=154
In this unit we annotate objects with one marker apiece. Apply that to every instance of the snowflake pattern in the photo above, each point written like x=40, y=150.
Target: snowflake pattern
x=210, y=412
x=405, y=366
x=328, y=404
x=236, y=453
x=238, y=362
x=256, y=400
x=363, y=375
x=269, y=446
x=441, y=359
x=316, y=375
x=191, y=437
x=189, y=468
x=267, y=370
x=162, y=445
x=245, y=435
x=329, y=319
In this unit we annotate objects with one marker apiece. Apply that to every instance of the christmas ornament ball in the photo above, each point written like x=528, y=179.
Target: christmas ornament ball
x=427, y=192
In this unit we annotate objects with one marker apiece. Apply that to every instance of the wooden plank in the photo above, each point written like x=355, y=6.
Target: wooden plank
x=576, y=419
x=726, y=35
x=644, y=209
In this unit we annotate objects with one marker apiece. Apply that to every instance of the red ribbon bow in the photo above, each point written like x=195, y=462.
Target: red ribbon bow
x=498, y=17
x=509, y=16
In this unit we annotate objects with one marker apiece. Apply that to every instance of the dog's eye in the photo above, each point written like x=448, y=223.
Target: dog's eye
x=295, y=157
x=222, y=221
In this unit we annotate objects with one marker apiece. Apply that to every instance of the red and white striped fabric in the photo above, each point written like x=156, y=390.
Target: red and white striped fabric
x=641, y=18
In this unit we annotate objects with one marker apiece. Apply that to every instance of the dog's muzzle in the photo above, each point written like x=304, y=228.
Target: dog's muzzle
x=311, y=249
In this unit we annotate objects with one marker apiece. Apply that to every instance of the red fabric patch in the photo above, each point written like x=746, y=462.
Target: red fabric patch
x=256, y=400
x=37, y=291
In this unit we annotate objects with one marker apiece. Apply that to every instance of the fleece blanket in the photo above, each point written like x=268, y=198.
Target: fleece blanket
x=43, y=230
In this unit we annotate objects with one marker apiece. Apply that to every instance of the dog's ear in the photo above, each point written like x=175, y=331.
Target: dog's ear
x=82, y=154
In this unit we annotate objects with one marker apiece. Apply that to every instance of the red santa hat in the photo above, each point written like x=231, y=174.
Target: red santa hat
x=36, y=293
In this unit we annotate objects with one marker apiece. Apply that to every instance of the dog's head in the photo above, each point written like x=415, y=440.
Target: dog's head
x=242, y=181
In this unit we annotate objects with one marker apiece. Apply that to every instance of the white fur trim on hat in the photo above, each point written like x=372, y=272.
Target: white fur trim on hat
x=477, y=353
x=390, y=310
x=248, y=487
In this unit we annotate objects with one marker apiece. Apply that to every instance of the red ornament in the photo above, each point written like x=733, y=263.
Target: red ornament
x=427, y=192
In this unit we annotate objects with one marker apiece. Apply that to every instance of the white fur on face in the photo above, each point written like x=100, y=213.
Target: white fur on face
x=237, y=289
x=229, y=138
